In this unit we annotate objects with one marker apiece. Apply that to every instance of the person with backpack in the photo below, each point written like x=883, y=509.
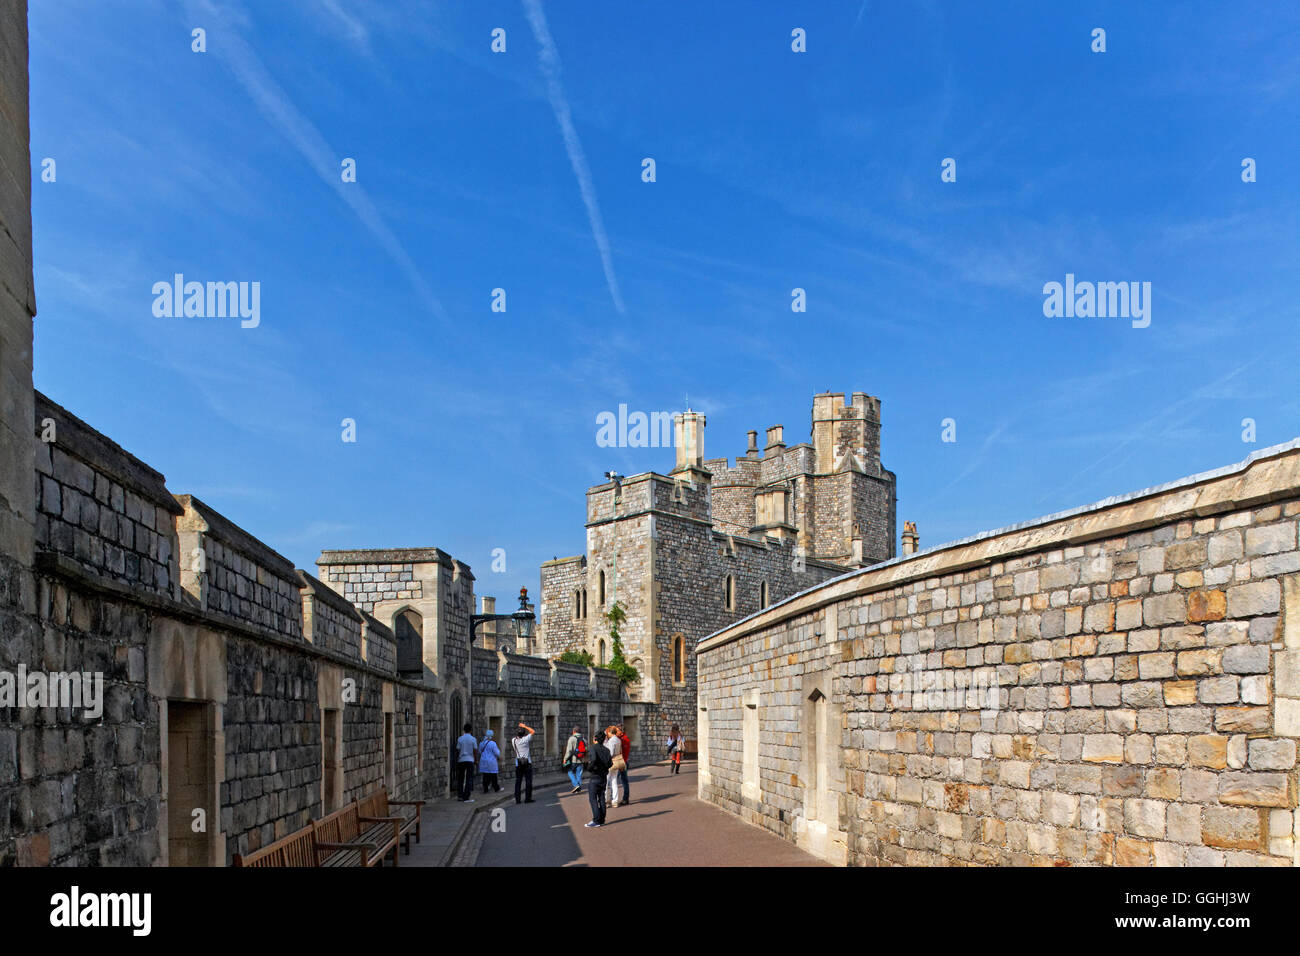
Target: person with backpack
x=489, y=754
x=676, y=744
x=598, y=764
x=522, y=743
x=575, y=755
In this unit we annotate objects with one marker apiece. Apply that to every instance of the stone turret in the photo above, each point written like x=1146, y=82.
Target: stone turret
x=846, y=436
x=688, y=432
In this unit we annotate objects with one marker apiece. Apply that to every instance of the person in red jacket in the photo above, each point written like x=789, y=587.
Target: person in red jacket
x=627, y=759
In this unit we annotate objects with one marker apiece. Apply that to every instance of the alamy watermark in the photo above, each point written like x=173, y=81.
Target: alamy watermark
x=947, y=689
x=1103, y=300
x=78, y=690
x=634, y=429
x=210, y=300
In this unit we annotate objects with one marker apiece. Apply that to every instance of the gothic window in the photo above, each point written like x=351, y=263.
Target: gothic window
x=729, y=593
x=602, y=654
x=408, y=630
x=679, y=659
x=577, y=603
x=601, y=592
x=762, y=595
x=584, y=602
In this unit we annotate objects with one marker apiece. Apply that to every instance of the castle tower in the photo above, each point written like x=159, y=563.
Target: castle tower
x=854, y=495
x=846, y=436
x=688, y=434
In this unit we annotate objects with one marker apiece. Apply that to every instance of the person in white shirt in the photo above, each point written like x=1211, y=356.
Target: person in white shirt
x=615, y=747
x=522, y=743
x=466, y=753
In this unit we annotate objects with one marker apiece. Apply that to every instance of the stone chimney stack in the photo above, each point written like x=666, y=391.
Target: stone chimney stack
x=775, y=441
x=911, y=540
x=752, y=451
x=688, y=432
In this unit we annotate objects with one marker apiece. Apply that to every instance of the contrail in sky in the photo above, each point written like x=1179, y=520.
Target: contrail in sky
x=279, y=110
x=550, y=60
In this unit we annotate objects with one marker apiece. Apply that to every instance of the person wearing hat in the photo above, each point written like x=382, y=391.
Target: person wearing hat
x=489, y=754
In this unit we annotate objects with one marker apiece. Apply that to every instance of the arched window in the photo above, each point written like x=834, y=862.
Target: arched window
x=584, y=602
x=679, y=659
x=729, y=592
x=577, y=603
x=601, y=592
x=408, y=631
x=602, y=653
x=762, y=595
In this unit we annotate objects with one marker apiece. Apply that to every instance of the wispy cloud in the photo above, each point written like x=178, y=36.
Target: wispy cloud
x=1169, y=424
x=981, y=455
x=281, y=112
x=550, y=61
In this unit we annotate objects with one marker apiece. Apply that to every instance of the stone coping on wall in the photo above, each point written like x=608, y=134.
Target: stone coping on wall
x=640, y=478
x=391, y=556
x=378, y=626
x=549, y=663
x=555, y=561
x=229, y=533
x=57, y=565
x=103, y=454
x=1267, y=475
x=320, y=591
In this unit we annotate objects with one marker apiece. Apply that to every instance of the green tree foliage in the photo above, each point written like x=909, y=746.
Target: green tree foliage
x=582, y=658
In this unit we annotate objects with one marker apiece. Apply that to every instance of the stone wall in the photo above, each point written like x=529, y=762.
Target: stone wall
x=366, y=585
x=217, y=683
x=99, y=505
x=561, y=626
x=17, y=306
x=329, y=622
x=227, y=571
x=692, y=564
x=1112, y=686
x=426, y=582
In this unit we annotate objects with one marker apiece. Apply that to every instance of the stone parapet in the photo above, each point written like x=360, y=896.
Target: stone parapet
x=1111, y=685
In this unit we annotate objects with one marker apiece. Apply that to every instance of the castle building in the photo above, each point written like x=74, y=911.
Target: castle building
x=711, y=542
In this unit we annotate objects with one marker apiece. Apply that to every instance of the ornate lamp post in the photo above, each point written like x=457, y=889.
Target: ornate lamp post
x=524, y=620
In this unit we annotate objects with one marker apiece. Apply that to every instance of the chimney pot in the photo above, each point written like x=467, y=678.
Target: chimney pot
x=911, y=540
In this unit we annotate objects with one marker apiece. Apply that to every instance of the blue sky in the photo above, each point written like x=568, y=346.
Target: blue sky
x=775, y=170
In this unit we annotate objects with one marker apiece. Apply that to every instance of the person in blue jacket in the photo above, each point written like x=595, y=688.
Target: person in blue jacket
x=488, y=755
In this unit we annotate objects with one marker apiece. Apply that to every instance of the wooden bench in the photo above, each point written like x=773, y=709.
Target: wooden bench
x=377, y=808
x=296, y=849
x=343, y=838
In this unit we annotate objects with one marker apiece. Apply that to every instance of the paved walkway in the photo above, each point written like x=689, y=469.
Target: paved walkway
x=445, y=822
x=665, y=825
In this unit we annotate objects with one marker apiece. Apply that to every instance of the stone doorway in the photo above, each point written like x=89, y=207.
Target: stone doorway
x=456, y=721
x=191, y=784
